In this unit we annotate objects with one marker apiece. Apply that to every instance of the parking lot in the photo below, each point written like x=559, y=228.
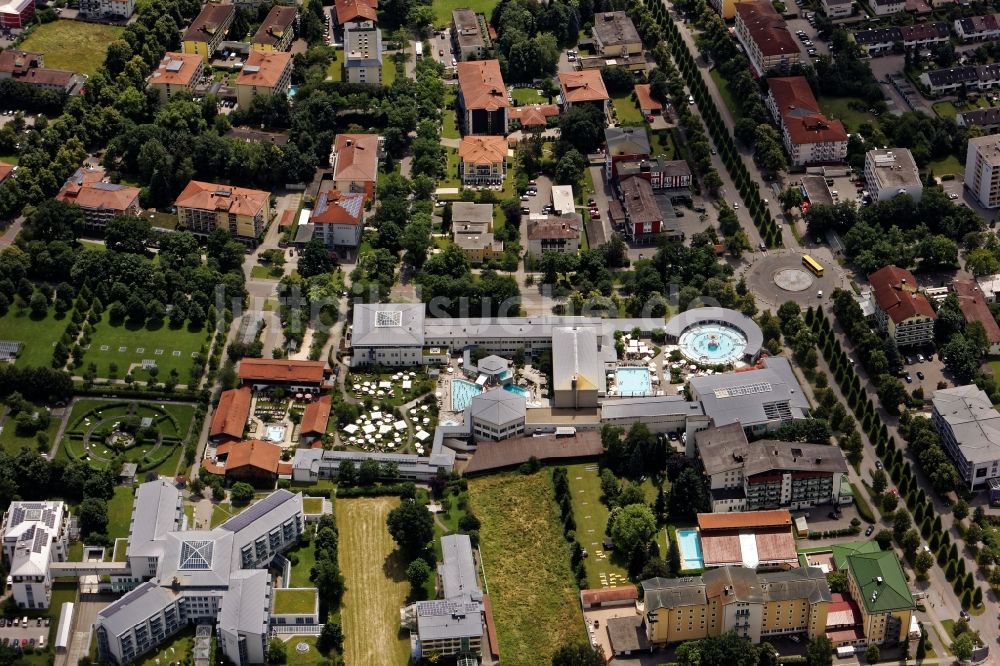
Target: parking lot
x=933, y=371
x=33, y=632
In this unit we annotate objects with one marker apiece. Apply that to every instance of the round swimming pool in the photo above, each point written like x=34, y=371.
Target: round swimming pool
x=713, y=343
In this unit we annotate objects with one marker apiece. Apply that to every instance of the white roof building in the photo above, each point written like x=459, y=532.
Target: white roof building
x=34, y=536
x=562, y=199
x=970, y=431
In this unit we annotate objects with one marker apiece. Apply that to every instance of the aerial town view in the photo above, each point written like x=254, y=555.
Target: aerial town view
x=522, y=332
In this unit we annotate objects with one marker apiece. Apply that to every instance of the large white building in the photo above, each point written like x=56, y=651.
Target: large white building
x=982, y=170
x=890, y=172
x=970, y=432
x=34, y=535
x=216, y=576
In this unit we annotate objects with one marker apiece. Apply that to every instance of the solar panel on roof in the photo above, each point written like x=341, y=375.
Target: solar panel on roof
x=175, y=65
x=33, y=513
x=252, y=69
x=746, y=389
x=49, y=519
x=272, y=501
x=41, y=539
x=17, y=517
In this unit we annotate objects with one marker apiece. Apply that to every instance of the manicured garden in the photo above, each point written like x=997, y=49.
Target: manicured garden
x=294, y=601
x=120, y=512
x=37, y=335
x=535, y=604
x=303, y=558
x=523, y=96
x=628, y=112
x=74, y=45
x=125, y=345
x=842, y=108
x=176, y=650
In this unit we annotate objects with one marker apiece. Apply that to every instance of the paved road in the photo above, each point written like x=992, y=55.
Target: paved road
x=11, y=232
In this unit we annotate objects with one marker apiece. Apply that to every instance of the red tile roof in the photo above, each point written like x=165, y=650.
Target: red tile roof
x=5, y=171
x=87, y=189
x=766, y=27
x=974, y=308
x=281, y=370
x=254, y=453
x=264, y=69
x=801, y=114
x=645, y=97
x=352, y=10
x=230, y=417
x=234, y=200
x=357, y=157
x=316, y=416
x=483, y=149
x=533, y=115
x=610, y=594
x=729, y=521
x=584, y=86
x=481, y=85
x=176, y=69
x=895, y=293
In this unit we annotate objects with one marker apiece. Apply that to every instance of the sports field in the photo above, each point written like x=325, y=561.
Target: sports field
x=535, y=601
x=37, y=335
x=375, y=580
x=126, y=346
x=74, y=45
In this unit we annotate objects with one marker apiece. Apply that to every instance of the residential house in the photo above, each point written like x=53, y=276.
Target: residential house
x=354, y=160
x=363, y=53
x=975, y=308
x=765, y=38
x=986, y=119
x=532, y=117
x=644, y=98
x=480, y=247
x=15, y=14
x=338, y=219
x=293, y=376
x=971, y=78
x=100, y=201
x=888, y=7
x=624, y=144
x=482, y=98
x=890, y=172
x=583, y=88
x=116, y=10
x=263, y=73
x=662, y=174
x=877, y=41
x=230, y=417
x=982, y=170
x=29, y=68
x=837, y=9
x=251, y=461
x=177, y=73
x=970, y=432
x=767, y=474
x=482, y=160
x=470, y=36
x=205, y=34
x=809, y=136
x=900, y=311
x=472, y=228
x=35, y=534
x=978, y=28
x=315, y=418
x=277, y=30
x=204, y=207
x=550, y=233
x=615, y=35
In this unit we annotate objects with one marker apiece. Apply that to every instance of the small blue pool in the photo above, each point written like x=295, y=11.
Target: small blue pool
x=292, y=91
x=690, y=547
x=517, y=389
x=634, y=381
x=462, y=393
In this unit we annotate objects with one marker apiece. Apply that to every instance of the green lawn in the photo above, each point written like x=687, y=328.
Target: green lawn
x=443, y=9
x=523, y=96
x=175, y=346
x=388, y=71
x=37, y=335
x=176, y=650
x=12, y=443
x=295, y=602
x=267, y=272
x=628, y=112
x=449, y=117
x=727, y=96
x=949, y=165
x=312, y=504
x=163, y=220
x=10, y=159
x=950, y=109
x=307, y=559
x=663, y=144
x=311, y=657
x=335, y=71
x=838, y=107
x=120, y=512
x=74, y=45
x=451, y=173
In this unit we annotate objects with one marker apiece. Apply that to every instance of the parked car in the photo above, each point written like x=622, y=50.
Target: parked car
x=920, y=374
x=595, y=214
x=878, y=464
x=868, y=532
x=525, y=210
x=952, y=196
x=909, y=379
x=920, y=358
x=736, y=205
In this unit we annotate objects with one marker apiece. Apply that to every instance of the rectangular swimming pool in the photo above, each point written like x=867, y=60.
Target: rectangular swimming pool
x=690, y=547
x=516, y=389
x=634, y=381
x=462, y=393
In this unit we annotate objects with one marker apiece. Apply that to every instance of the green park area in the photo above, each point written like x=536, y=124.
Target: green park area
x=36, y=334
x=127, y=347
x=524, y=96
x=444, y=8
x=627, y=110
x=74, y=45
x=303, y=559
x=312, y=505
x=295, y=602
x=847, y=110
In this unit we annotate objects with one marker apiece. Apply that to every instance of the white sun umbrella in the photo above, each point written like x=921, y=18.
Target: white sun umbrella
x=450, y=369
x=400, y=425
x=350, y=428
x=425, y=407
x=357, y=387
x=376, y=415
x=438, y=395
x=385, y=385
x=368, y=429
x=422, y=435
x=407, y=384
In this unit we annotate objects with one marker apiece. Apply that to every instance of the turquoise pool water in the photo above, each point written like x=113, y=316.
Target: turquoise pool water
x=690, y=547
x=274, y=433
x=634, y=381
x=713, y=343
x=462, y=393
x=516, y=389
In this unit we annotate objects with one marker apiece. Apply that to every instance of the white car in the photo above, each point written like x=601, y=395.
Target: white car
x=952, y=196
x=736, y=205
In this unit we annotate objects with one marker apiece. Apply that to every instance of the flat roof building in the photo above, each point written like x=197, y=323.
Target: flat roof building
x=890, y=172
x=469, y=34
x=35, y=534
x=982, y=170
x=970, y=432
x=615, y=35
x=363, y=53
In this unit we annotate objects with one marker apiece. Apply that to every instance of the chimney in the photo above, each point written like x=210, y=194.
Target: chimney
x=349, y=142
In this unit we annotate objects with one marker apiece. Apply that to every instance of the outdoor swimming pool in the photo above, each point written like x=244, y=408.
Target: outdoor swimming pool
x=713, y=343
x=690, y=547
x=517, y=389
x=274, y=433
x=634, y=381
x=462, y=393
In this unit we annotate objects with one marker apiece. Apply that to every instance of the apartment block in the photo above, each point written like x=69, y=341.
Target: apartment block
x=970, y=432
x=264, y=73
x=765, y=38
x=982, y=170
x=100, y=201
x=277, y=30
x=890, y=172
x=177, y=73
x=363, y=53
x=35, y=534
x=809, y=136
x=204, y=207
x=205, y=34
x=900, y=310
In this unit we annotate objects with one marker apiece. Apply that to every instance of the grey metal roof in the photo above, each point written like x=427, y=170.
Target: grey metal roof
x=725, y=448
x=721, y=448
x=650, y=406
x=492, y=364
x=684, y=320
x=627, y=634
x=673, y=592
x=246, y=605
x=446, y=619
x=753, y=397
x=141, y=603
x=257, y=510
x=498, y=407
x=800, y=583
x=458, y=569
x=575, y=357
x=627, y=140
x=157, y=510
x=731, y=584
x=974, y=422
x=373, y=325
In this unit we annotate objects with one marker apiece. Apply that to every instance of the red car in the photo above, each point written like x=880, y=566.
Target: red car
x=595, y=214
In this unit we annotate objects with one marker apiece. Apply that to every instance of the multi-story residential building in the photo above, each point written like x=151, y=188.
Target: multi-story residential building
x=29, y=68
x=277, y=30
x=177, y=73
x=735, y=599
x=354, y=160
x=986, y=119
x=482, y=98
x=207, y=31
x=452, y=625
x=35, y=534
x=198, y=576
x=725, y=8
x=615, y=35
x=482, y=160
x=975, y=308
x=15, y=14
x=765, y=38
x=646, y=215
x=978, y=28
x=900, y=310
x=662, y=174
x=479, y=247
x=890, y=172
x=98, y=200
x=877, y=581
x=808, y=135
x=888, y=7
x=263, y=73
x=338, y=219
x=836, y=9
x=204, y=207
x=624, y=144
x=472, y=228
x=767, y=474
x=470, y=38
x=550, y=233
x=349, y=11
x=363, y=52
x=110, y=9
x=970, y=431
x=583, y=88
x=982, y=170
x=972, y=78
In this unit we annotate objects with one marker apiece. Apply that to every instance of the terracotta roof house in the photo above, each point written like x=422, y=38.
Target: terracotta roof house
x=532, y=116
x=354, y=161
x=300, y=376
x=204, y=207
x=899, y=309
x=337, y=219
x=263, y=73
x=808, y=135
x=315, y=418
x=349, y=11
x=99, y=201
x=252, y=461
x=765, y=37
x=27, y=67
x=230, y=417
x=6, y=170
x=482, y=98
x=975, y=308
x=644, y=98
x=209, y=28
x=176, y=73
x=583, y=87
x=482, y=160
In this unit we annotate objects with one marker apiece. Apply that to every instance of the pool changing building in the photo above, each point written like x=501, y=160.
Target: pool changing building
x=216, y=576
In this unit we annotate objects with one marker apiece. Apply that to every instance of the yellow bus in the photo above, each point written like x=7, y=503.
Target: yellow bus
x=812, y=265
